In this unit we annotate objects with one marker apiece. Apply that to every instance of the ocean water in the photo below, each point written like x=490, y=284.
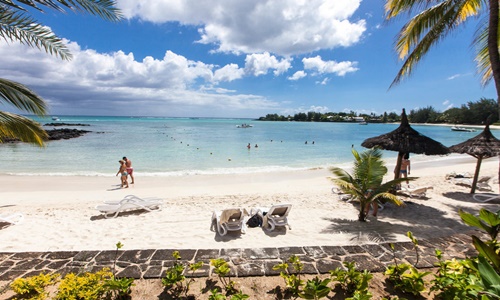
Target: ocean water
x=181, y=146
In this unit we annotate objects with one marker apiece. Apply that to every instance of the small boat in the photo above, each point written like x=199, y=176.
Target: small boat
x=457, y=128
x=55, y=118
x=363, y=123
x=244, y=126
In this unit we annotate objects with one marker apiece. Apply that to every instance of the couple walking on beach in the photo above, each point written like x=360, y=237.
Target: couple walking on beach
x=125, y=170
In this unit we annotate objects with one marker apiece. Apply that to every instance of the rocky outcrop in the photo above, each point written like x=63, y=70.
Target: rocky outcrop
x=65, y=133
x=64, y=124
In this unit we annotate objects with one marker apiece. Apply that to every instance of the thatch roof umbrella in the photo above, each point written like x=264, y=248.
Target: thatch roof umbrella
x=405, y=139
x=484, y=145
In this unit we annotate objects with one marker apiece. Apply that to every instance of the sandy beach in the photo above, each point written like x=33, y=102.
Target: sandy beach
x=59, y=212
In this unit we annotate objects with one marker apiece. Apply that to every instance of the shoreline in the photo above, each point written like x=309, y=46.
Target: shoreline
x=59, y=211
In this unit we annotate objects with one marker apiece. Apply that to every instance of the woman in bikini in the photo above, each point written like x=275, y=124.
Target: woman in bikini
x=123, y=173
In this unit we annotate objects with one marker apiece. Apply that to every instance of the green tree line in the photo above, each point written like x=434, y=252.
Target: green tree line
x=473, y=113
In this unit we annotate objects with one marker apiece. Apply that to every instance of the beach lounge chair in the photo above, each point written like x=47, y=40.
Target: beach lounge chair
x=128, y=203
x=416, y=191
x=482, y=182
x=453, y=175
x=276, y=215
x=232, y=219
x=486, y=197
x=12, y=219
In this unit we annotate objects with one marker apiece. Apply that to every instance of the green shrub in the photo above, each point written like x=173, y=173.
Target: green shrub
x=86, y=286
x=34, y=287
x=351, y=280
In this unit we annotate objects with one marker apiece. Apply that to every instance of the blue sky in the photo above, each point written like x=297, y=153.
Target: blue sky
x=226, y=58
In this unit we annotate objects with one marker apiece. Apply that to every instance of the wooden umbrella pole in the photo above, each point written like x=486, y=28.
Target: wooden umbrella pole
x=476, y=174
x=397, y=170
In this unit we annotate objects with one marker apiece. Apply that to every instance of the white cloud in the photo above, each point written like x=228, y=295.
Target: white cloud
x=448, y=104
x=323, y=82
x=228, y=73
x=117, y=84
x=453, y=77
x=281, y=27
x=329, y=67
x=313, y=108
x=297, y=75
x=260, y=64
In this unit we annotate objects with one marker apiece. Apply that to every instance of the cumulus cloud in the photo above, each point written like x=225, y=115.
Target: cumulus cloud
x=326, y=67
x=118, y=84
x=297, y=75
x=260, y=64
x=281, y=27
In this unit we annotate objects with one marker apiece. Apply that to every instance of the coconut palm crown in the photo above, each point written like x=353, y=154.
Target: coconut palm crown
x=365, y=183
x=17, y=25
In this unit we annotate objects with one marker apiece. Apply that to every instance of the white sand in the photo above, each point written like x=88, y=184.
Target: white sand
x=59, y=212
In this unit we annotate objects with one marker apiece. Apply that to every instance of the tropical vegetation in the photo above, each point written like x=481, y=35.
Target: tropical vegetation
x=472, y=113
x=17, y=25
x=365, y=185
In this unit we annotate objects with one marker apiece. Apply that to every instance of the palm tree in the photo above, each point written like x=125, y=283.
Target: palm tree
x=434, y=21
x=16, y=25
x=365, y=185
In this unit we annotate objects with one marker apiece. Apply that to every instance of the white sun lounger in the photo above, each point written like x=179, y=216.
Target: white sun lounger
x=232, y=219
x=482, y=182
x=11, y=219
x=486, y=197
x=128, y=203
x=276, y=215
x=416, y=191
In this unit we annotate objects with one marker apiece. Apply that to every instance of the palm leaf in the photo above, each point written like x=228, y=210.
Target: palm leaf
x=15, y=126
x=21, y=97
x=103, y=8
x=15, y=26
x=428, y=28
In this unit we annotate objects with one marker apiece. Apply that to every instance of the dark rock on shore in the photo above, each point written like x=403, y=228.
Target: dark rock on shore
x=64, y=124
x=57, y=134
x=65, y=133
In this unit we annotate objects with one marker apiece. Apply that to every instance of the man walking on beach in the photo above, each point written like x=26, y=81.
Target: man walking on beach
x=130, y=170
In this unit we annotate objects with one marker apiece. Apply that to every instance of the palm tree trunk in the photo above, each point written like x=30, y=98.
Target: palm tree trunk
x=493, y=51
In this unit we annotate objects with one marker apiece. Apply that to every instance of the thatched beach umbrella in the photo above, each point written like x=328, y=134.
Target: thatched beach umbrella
x=405, y=139
x=482, y=146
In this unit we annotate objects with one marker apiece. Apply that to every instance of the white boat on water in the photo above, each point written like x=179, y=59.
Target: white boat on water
x=363, y=123
x=55, y=118
x=458, y=128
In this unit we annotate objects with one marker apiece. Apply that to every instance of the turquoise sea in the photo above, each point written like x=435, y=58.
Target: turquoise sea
x=181, y=146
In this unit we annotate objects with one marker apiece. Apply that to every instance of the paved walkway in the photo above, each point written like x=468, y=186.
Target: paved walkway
x=151, y=263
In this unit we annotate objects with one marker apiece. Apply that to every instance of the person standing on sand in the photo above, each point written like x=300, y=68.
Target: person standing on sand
x=130, y=170
x=123, y=173
x=405, y=167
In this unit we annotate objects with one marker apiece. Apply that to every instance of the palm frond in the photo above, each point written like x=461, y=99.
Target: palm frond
x=105, y=9
x=22, y=97
x=394, y=8
x=482, y=55
x=15, y=26
x=426, y=29
x=14, y=126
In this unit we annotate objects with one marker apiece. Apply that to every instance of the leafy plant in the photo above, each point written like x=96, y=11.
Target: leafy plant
x=119, y=288
x=221, y=268
x=315, y=289
x=406, y=277
x=455, y=279
x=34, y=287
x=365, y=184
x=86, y=286
x=216, y=295
x=239, y=296
x=293, y=282
x=175, y=278
x=351, y=280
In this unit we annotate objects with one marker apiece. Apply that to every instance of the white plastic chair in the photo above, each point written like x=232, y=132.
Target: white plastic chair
x=276, y=215
x=232, y=219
